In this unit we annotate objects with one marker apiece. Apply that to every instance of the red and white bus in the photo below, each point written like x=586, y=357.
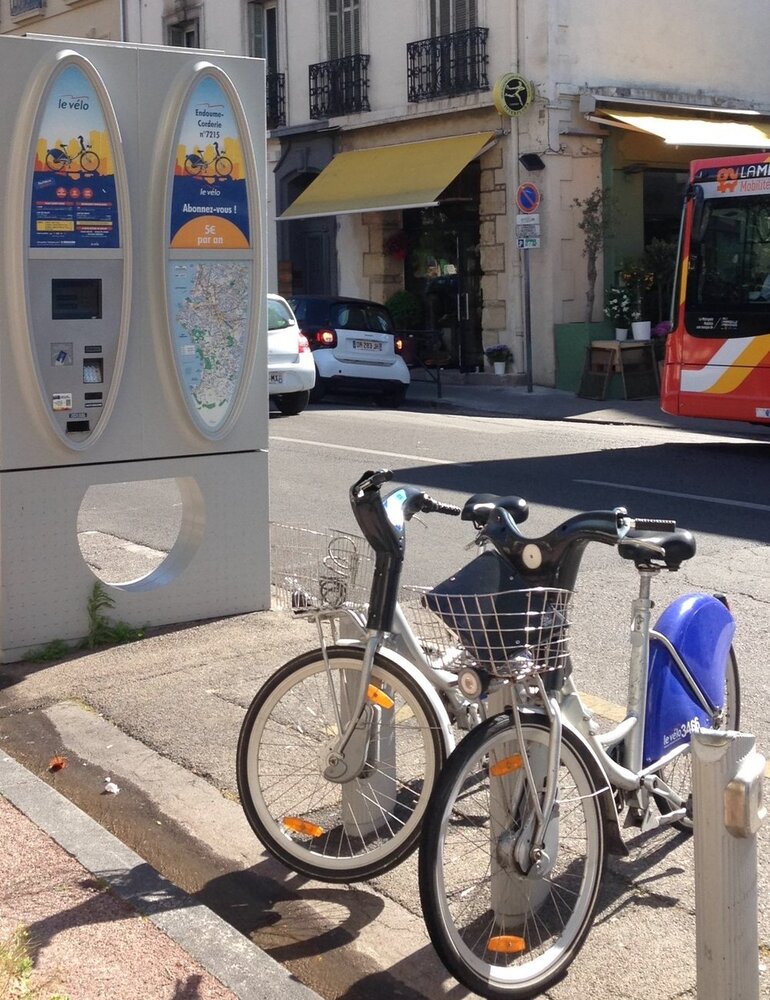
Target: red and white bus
x=718, y=353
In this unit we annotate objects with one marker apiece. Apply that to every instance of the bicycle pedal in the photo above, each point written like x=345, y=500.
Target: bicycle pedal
x=651, y=819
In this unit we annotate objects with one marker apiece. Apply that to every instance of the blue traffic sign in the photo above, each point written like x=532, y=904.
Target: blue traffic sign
x=528, y=198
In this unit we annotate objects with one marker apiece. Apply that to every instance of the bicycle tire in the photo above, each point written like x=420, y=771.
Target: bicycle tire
x=549, y=915
x=279, y=771
x=678, y=774
x=194, y=167
x=56, y=163
x=89, y=161
x=223, y=166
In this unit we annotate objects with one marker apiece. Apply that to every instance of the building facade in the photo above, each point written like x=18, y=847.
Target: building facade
x=413, y=143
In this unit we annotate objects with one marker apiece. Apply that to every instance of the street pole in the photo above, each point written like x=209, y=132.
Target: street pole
x=527, y=320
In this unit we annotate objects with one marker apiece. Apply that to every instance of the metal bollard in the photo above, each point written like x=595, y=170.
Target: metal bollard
x=728, y=811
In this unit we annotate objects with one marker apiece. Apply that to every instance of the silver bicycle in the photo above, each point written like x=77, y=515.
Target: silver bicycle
x=341, y=747
x=527, y=807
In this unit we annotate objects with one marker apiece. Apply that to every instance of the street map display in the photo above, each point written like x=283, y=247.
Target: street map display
x=210, y=317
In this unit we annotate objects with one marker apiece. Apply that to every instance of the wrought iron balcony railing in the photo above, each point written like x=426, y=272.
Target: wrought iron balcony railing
x=339, y=87
x=19, y=7
x=276, y=100
x=447, y=65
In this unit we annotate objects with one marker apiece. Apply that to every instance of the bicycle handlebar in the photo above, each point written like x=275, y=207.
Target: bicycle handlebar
x=431, y=506
x=382, y=524
x=653, y=524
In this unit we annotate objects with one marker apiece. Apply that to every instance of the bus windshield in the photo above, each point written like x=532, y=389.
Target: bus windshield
x=717, y=361
x=730, y=260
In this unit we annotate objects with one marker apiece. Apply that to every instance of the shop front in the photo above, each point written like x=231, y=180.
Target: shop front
x=413, y=211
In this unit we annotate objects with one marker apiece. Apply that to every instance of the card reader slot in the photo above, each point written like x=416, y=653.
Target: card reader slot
x=74, y=426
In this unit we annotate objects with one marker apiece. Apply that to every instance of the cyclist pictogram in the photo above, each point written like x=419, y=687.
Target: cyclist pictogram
x=85, y=160
x=195, y=163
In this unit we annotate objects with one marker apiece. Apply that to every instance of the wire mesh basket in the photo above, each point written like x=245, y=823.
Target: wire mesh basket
x=319, y=570
x=511, y=633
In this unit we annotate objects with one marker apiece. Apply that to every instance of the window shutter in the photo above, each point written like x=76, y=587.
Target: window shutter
x=351, y=27
x=334, y=28
x=447, y=16
x=257, y=30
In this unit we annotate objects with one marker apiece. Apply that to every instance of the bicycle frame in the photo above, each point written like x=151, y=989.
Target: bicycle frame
x=622, y=751
x=402, y=646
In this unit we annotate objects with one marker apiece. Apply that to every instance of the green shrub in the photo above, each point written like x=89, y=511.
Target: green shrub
x=407, y=310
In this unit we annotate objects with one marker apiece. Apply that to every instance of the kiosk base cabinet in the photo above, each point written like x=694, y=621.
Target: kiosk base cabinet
x=214, y=567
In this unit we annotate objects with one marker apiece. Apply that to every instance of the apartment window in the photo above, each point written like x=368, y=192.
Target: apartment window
x=185, y=34
x=344, y=26
x=262, y=27
x=448, y=16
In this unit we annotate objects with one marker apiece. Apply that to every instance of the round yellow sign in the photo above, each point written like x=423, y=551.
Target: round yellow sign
x=512, y=94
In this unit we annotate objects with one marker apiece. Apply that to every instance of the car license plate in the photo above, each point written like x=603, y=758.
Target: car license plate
x=367, y=345
x=276, y=378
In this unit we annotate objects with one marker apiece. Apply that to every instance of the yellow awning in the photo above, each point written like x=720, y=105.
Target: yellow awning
x=690, y=131
x=410, y=175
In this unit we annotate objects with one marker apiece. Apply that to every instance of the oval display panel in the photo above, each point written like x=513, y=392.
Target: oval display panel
x=209, y=269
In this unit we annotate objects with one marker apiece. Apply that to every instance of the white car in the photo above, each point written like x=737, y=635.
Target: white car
x=355, y=347
x=290, y=367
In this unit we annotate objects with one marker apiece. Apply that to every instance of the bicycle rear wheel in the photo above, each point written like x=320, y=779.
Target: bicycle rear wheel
x=678, y=774
x=194, y=165
x=499, y=931
x=325, y=829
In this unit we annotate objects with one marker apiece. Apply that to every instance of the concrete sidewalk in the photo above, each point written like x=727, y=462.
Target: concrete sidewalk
x=491, y=395
x=102, y=923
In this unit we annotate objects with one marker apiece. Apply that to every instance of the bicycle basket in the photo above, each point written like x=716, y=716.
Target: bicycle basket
x=510, y=632
x=318, y=570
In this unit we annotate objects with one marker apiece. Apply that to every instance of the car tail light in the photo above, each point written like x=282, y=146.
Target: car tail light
x=399, y=344
x=325, y=338
x=303, y=344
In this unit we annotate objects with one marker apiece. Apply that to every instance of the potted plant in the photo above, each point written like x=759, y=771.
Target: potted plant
x=396, y=245
x=595, y=224
x=498, y=355
x=618, y=309
x=660, y=259
x=638, y=279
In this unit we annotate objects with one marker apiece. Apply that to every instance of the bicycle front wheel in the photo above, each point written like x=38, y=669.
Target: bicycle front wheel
x=333, y=831
x=89, y=161
x=501, y=927
x=223, y=166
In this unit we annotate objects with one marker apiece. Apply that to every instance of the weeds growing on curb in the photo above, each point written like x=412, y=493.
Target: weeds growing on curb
x=16, y=970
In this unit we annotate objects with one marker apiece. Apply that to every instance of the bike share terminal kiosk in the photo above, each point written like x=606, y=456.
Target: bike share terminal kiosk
x=132, y=343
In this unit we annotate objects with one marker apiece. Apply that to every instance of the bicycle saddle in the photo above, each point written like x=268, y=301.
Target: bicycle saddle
x=664, y=548
x=478, y=508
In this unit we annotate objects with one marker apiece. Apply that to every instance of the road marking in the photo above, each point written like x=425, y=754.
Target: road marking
x=682, y=496
x=369, y=451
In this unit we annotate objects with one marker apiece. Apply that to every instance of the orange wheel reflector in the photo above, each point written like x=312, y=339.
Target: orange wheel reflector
x=298, y=825
x=378, y=696
x=506, y=765
x=506, y=943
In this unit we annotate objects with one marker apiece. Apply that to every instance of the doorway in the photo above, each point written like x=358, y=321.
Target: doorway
x=443, y=267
